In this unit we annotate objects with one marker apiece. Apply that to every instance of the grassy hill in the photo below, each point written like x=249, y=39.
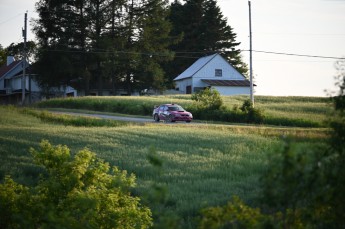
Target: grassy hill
x=203, y=165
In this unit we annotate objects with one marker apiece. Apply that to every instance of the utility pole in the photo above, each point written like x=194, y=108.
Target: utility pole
x=250, y=54
x=24, y=58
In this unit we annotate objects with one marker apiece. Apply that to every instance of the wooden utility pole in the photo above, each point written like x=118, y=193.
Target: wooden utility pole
x=24, y=59
x=250, y=54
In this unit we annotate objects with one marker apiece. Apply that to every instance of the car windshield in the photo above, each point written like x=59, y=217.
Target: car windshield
x=175, y=108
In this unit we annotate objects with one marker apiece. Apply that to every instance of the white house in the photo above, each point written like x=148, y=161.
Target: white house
x=215, y=72
x=11, y=89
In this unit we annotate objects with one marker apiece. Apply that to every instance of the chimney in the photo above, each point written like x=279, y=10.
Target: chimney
x=10, y=60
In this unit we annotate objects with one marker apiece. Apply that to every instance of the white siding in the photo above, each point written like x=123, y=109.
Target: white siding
x=208, y=71
x=205, y=68
x=182, y=84
x=232, y=90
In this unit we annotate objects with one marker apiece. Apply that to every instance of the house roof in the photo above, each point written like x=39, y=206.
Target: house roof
x=233, y=83
x=6, y=68
x=195, y=67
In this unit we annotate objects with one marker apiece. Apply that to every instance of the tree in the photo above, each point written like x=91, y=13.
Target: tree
x=57, y=30
x=218, y=36
x=205, y=31
x=16, y=50
x=103, y=41
x=2, y=56
x=154, y=42
x=78, y=192
x=301, y=189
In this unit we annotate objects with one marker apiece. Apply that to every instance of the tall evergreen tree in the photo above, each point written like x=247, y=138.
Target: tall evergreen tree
x=218, y=36
x=54, y=30
x=205, y=31
x=154, y=43
x=101, y=40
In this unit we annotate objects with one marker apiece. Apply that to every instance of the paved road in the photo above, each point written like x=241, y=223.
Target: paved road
x=119, y=118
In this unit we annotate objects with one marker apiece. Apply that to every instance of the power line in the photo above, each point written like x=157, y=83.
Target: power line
x=300, y=55
x=184, y=54
x=10, y=18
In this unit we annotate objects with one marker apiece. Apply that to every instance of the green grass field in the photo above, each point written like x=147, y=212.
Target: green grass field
x=280, y=111
x=203, y=165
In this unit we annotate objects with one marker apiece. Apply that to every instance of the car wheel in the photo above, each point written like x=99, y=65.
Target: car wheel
x=188, y=121
x=156, y=118
x=170, y=118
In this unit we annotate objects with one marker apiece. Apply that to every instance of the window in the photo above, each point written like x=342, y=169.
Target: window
x=7, y=83
x=218, y=72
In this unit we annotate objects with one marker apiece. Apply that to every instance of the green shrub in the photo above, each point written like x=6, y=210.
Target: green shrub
x=208, y=99
x=253, y=115
x=78, y=192
x=236, y=214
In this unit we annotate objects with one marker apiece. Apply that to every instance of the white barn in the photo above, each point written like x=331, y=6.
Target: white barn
x=215, y=72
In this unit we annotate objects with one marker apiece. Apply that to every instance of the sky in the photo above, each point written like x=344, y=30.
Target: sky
x=302, y=27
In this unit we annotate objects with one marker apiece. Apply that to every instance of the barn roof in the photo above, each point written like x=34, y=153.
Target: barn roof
x=6, y=68
x=195, y=67
x=233, y=83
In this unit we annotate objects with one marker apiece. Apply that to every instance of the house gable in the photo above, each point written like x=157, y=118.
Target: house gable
x=195, y=67
x=219, y=69
x=11, y=69
x=212, y=71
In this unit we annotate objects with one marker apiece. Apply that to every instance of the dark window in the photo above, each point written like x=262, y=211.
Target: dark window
x=6, y=83
x=175, y=108
x=218, y=72
x=189, y=90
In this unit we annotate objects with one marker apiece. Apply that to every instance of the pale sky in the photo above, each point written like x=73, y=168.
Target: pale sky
x=304, y=27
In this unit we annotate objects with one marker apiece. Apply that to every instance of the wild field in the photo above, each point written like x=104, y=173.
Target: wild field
x=279, y=111
x=203, y=165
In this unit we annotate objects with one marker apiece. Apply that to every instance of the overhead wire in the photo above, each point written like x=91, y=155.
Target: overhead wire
x=184, y=54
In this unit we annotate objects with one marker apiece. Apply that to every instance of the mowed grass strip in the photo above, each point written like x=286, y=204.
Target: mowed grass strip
x=203, y=165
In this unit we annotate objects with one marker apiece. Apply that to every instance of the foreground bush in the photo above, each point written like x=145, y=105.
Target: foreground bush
x=304, y=188
x=208, y=105
x=78, y=192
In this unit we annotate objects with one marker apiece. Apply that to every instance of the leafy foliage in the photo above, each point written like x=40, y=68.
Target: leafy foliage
x=103, y=43
x=79, y=192
x=235, y=214
x=16, y=50
x=2, y=56
x=304, y=188
x=253, y=115
x=204, y=31
x=208, y=99
x=209, y=106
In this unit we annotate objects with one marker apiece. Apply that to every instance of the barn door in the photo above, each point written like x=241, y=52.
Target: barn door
x=189, y=90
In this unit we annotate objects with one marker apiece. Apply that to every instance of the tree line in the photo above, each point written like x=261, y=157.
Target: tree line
x=128, y=44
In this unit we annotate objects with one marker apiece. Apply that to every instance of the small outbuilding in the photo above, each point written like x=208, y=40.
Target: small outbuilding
x=214, y=72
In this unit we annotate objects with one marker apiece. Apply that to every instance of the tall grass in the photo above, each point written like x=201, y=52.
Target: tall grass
x=73, y=120
x=203, y=165
x=135, y=105
x=281, y=111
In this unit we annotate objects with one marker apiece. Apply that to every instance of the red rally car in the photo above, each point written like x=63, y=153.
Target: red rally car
x=171, y=113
